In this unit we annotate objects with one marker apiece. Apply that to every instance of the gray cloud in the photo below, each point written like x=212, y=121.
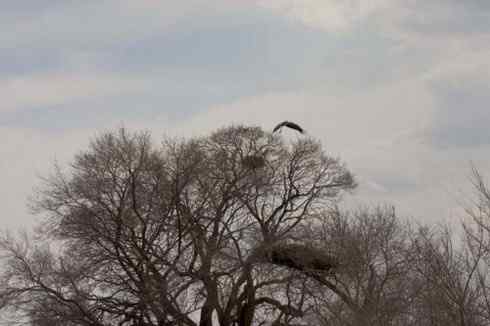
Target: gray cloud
x=462, y=117
x=398, y=89
x=188, y=68
x=442, y=17
x=24, y=9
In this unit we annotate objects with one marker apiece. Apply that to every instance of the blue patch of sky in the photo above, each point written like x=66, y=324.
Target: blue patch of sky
x=24, y=61
x=97, y=112
x=206, y=61
x=262, y=52
x=251, y=46
x=19, y=8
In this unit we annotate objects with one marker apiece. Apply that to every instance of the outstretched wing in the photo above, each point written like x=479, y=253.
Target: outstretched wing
x=279, y=126
x=294, y=126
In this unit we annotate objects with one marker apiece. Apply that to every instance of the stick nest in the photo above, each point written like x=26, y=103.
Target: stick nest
x=301, y=257
x=253, y=161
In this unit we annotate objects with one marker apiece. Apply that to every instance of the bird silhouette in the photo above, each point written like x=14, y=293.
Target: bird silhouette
x=288, y=124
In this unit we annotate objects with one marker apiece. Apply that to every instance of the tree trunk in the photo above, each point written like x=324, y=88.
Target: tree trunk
x=206, y=315
x=247, y=310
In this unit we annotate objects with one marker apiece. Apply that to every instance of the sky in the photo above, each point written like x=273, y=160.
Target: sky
x=398, y=89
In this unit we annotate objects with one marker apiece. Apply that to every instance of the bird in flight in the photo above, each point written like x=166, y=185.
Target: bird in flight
x=288, y=124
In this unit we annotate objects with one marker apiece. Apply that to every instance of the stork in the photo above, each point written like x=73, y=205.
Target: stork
x=288, y=124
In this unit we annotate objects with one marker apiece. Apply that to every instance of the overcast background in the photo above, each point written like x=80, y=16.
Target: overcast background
x=399, y=89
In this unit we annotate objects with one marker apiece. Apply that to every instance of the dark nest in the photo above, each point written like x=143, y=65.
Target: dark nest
x=301, y=257
x=253, y=161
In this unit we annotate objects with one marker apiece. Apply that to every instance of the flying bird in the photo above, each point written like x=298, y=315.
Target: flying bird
x=288, y=124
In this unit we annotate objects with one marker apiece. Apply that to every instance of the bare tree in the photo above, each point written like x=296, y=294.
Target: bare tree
x=182, y=234
x=373, y=284
x=477, y=244
x=449, y=271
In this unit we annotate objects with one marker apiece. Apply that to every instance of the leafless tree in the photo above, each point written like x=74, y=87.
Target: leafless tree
x=477, y=243
x=181, y=234
x=373, y=284
x=450, y=274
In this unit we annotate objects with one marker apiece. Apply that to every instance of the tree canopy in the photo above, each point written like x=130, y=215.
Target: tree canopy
x=240, y=227
x=174, y=234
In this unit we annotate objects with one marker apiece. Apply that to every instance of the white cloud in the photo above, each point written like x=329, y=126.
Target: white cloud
x=382, y=132
x=382, y=135
x=468, y=61
x=42, y=90
x=329, y=15
x=379, y=117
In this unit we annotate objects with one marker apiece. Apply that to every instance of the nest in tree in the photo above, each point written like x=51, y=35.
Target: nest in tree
x=253, y=161
x=301, y=257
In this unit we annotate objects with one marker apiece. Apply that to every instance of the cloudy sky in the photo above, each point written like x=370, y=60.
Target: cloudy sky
x=399, y=89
